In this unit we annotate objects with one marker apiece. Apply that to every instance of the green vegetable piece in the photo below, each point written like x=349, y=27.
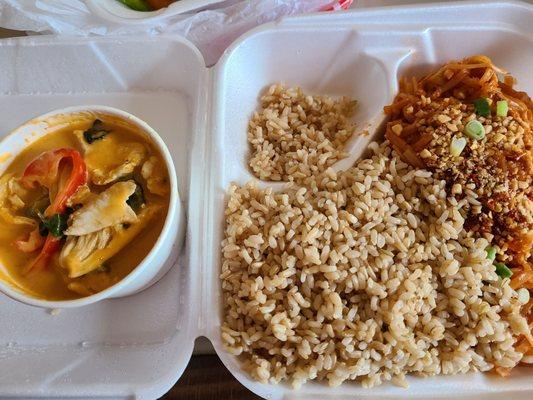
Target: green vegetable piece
x=491, y=253
x=136, y=200
x=56, y=224
x=474, y=130
x=502, y=108
x=137, y=5
x=503, y=270
x=523, y=295
x=457, y=146
x=482, y=107
x=95, y=132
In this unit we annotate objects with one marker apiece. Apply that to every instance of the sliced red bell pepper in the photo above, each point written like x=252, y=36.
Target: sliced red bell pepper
x=33, y=242
x=44, y=171
x=51, y=246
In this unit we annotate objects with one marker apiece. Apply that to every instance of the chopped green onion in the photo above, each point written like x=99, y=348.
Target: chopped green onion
x=523, y=295
x=502, y=107
x=475, y=130
x=503, y=270
x=457, y=146
x=491, y=253
x=482, y=107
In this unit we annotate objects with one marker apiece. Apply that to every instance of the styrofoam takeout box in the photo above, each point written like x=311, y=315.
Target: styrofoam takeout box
x=139, y=346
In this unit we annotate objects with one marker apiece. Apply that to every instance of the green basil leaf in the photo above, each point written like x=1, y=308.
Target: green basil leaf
x=95, y=132
x=56, y=224
x=136, y=200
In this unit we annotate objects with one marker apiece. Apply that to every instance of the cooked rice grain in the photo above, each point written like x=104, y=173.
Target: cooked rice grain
x=296, y=135
x=363, y=275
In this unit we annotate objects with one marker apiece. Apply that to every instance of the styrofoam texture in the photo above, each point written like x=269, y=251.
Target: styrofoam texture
x=132, y=346
x=360, y=54
x=115, y=11
x=138, y=346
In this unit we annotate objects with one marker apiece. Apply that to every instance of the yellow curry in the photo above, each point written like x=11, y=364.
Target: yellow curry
x=81, y=207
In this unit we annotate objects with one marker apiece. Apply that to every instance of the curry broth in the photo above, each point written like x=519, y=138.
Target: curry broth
x=51, y=283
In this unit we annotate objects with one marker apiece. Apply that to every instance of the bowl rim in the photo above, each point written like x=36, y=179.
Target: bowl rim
x=148, y=260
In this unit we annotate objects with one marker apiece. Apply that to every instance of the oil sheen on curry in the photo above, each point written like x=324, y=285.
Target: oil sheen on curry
x=81, y=206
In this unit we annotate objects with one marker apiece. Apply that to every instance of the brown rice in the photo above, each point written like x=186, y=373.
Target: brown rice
x=361, y=275
x=295, y=135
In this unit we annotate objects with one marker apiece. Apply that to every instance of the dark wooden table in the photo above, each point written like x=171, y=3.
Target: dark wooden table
x=206, y=378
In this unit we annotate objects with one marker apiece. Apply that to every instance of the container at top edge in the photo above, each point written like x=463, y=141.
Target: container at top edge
x=117, y=12
x=158, y=260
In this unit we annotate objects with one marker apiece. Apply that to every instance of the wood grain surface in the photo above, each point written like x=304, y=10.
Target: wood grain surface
x=7, y=33
x=206, y=378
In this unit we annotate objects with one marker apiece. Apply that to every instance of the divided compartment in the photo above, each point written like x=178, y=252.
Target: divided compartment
x=241, y=78
x=360, y=56
x=132, y=346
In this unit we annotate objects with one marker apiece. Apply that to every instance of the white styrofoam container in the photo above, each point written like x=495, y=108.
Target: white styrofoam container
x=139, y=346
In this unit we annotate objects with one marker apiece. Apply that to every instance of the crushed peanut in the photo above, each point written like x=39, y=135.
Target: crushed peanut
x=492, y=169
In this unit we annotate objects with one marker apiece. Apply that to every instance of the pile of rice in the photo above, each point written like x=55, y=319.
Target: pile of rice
x=363, y=275
x=296, y=135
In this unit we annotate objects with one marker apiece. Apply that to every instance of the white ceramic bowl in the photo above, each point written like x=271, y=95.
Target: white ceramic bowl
x=160, y=258
x=115, y=11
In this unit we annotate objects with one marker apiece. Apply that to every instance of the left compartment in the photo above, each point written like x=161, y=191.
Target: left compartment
x=137, y=345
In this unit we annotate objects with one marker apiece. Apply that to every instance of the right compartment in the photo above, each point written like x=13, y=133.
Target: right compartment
x=359, y=54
